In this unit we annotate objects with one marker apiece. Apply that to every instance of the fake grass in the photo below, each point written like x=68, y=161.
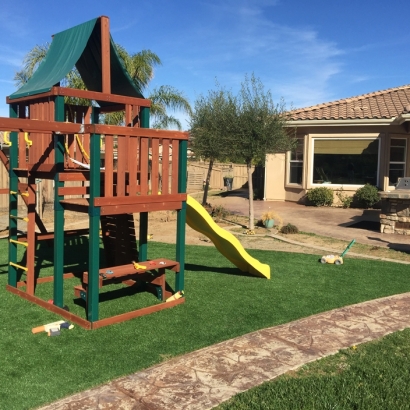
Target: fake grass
x=373, y=375
x=221, y=303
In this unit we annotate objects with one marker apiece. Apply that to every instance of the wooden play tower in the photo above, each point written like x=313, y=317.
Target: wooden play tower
x=142, y=170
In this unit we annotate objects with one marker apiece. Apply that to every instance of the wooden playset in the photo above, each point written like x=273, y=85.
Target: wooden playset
x=52, y=136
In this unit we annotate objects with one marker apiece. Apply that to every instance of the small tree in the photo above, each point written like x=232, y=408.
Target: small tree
x=259, y=129
x=211, y=126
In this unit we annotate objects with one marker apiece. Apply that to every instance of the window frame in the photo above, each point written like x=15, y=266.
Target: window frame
x=397, y=162
x=295, y=161
x=335, y=137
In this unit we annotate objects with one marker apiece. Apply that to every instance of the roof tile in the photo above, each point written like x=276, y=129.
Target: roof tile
x=376, y=105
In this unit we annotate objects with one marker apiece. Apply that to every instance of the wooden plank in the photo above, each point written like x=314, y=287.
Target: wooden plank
x=135, y=131
x=4, y=160
x=85, y=324
x=175, y=166
x=29, y=125
x=132, y=188
x=143, y=163
x=73, y=190
x=122, y=153
x=44, y=236
x=147, y=199
x=136, y=313
x=74, y=176
x=109, y=165
x=165, y=188
x=42, y=168
x=105, y=55
x=91, y=95
x=154, y=165
x=150, y=207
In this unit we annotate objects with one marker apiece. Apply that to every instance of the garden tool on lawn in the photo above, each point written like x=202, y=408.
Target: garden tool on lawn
x=336, y=259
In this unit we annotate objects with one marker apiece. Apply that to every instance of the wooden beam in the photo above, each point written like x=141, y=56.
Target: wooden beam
x=85, y=324
x=105, y=55
x=135, y=208
x=136, y=313
x=26, y=125
x=146, y=199
x=90, y=95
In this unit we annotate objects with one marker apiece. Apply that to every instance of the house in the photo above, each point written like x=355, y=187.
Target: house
x=344, y=144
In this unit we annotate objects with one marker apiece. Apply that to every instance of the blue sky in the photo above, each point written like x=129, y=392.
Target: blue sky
x=307, y=52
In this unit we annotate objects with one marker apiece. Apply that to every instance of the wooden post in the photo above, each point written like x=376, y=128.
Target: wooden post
x=58, y=208
x=94, y=221
x=143, y=245
x=13, y=186
x=105, y=55
x=181, y=216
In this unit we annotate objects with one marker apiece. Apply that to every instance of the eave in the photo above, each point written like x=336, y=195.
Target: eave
x=347, y=123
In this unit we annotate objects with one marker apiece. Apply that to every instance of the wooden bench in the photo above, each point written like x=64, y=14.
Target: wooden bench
x=150, y=272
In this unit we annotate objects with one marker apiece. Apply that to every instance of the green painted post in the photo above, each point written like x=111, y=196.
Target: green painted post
x=181, y=216
x=143, y=233
x=58, y=208
x=94, y=221
x=13, y=186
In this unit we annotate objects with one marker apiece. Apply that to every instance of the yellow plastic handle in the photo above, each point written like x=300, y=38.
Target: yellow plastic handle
x=6, y=138
x=29, y=142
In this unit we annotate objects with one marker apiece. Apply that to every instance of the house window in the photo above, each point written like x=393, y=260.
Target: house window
x=345, y=161
x=296, y=163
x=397, y=164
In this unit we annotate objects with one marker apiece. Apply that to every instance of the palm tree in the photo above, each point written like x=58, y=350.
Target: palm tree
x=140, y=67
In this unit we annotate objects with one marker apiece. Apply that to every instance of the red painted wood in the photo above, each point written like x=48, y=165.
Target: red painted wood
x=136, y=313
x=165, y=188
x=85, y=324
x=132, y=166
x=90, y=95
x=122, y=153
x=154, y=166
x=130, y=200
x=109, y=164
x=143, y=162
x=147, y=207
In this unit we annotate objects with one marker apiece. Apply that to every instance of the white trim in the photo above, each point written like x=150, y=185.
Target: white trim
x=347, y=122
x=313, y=137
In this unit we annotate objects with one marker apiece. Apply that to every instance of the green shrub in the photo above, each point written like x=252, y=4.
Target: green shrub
x=219, y=212
x=366, y=196
x=289, y=228
x=344, y=199
x=321, y=196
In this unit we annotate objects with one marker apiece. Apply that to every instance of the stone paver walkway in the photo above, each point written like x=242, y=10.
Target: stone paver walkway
x=207, y=377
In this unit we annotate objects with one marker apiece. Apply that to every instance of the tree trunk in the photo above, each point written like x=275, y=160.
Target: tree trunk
x=208, y=178
x=250, y=189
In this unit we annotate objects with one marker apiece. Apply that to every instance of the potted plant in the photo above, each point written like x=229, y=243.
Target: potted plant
x=269, y=218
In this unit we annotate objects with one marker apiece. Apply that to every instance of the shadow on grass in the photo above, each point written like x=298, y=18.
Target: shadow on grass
x=227, y=271
x=400, y=247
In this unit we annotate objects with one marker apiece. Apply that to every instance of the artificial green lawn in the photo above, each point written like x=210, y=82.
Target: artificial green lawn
x=375, y=375
x=220, y=304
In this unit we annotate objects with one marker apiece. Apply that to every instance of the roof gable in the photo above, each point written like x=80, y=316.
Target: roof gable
x=79, y=46
x=385, y=104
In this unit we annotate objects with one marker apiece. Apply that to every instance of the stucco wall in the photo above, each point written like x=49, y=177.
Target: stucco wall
x=276, y=165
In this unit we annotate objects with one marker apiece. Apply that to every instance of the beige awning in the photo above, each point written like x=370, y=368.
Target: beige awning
x=345, y=146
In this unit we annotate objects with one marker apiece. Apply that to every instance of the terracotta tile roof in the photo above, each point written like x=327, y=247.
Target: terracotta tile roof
x=377, y=105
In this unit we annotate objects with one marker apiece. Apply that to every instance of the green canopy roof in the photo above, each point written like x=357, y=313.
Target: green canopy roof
x=79, y=46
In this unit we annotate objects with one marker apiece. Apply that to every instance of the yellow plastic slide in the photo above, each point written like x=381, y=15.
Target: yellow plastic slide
x=230, y=247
